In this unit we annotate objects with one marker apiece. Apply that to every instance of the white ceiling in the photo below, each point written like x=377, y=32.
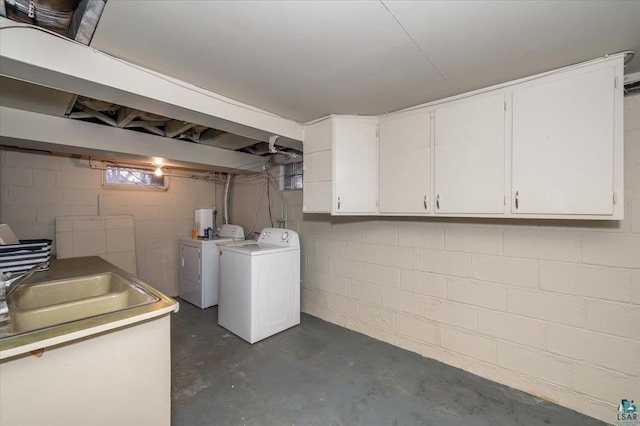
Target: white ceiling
x=306, y=59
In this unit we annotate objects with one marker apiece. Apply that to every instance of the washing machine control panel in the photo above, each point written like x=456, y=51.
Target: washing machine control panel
x=279, y=236
x=231, y=231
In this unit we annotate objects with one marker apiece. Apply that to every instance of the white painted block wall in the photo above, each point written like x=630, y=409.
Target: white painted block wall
x=548, y=307
x=35, y=188
x=110, y=237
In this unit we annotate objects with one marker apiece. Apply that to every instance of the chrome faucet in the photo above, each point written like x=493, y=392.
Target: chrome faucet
x=9, y=284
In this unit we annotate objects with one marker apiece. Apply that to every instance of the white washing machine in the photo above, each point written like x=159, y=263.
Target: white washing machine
x=260, y=285
x=199, y=271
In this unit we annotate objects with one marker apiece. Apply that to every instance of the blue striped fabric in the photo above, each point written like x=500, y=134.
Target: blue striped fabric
x=16, y=258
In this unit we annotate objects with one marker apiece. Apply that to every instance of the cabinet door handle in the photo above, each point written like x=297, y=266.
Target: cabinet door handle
x=424, y=202
x=438, y=201
x=182, y=261
x=517, y=199
x=338, y=203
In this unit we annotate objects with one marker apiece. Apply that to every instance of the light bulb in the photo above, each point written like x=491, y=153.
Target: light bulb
x=158, y=171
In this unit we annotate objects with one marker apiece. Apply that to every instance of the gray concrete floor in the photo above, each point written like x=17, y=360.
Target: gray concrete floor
x=320, y=374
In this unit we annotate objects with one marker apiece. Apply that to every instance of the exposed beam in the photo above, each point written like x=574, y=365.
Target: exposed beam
x=31, y=55
x=145, y=124
x=77, y=115
x=70, y=106
x=126, y=116
x=97, y=114
x=261, y=149
x=97, y=104
x=229, y=141
x=632, y=78
x=21, y=95
x=154, y=130
x=31, y=130
x=289, y=143
x=175, y=127
x=209, y=135
x=194, y=134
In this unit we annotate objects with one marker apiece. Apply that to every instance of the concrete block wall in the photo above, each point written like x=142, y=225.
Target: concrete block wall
x=548, y=307
x=36, y=188
x=248, y=203
x=110, y=237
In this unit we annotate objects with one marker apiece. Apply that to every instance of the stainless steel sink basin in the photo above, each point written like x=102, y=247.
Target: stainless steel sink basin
x=37, y=306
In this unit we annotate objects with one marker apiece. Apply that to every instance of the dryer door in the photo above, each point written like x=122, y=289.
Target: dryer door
x=190, y=279
x=190, y=264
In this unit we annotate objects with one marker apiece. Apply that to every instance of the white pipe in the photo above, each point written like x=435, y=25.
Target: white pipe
x=226, y=199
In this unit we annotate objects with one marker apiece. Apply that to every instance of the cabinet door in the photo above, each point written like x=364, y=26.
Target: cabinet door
x=405, y=163
x=469, y=156
x=190, y=264
x=562, y=154
x=355, y=165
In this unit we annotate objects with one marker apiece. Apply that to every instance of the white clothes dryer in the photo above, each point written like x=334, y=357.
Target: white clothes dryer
x=199, y=274
x=260, y=285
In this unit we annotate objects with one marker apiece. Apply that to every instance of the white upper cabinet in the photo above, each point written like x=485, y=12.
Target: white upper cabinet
x=405, y=163
x=341, y=166
x=469, y=156
x=549, y=146
x=564, y=128
x=317, y=178
x=355, y=165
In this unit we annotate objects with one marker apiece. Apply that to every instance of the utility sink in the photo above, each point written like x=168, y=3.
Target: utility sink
x=51, y=303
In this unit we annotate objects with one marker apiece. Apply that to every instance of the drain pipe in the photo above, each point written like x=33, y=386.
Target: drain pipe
x=227, y=185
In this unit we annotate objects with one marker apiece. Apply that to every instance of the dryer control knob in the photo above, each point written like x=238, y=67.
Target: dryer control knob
x=285, y=235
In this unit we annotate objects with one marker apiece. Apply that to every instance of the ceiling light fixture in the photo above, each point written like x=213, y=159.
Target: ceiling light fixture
x=157, y=162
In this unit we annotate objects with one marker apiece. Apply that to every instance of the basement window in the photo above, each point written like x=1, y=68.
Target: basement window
x=128, y=177
x=291, y=176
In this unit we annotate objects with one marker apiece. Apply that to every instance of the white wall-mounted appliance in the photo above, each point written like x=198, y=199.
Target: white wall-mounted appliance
x=199, y=266
x=260, y=285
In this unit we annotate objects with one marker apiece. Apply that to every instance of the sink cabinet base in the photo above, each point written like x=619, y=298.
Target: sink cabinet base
x=121, y=377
